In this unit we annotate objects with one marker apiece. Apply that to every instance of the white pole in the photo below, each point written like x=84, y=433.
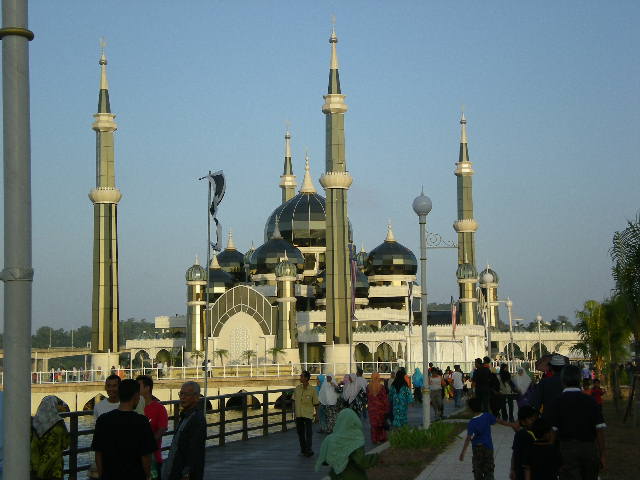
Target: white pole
x=509, y=305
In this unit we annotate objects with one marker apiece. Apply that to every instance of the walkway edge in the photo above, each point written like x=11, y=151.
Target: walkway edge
x=379, y=449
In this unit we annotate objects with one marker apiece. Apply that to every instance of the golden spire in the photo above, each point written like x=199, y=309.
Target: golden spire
x=307, y=183
x=390, y=236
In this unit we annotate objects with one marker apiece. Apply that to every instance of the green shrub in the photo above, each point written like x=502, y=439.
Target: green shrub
x=437, y=436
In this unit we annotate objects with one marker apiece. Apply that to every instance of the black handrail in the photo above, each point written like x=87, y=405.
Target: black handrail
x=222, y=433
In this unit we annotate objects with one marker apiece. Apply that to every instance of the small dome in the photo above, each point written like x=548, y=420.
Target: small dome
x=391, y=258
x=285, y=268
x=488, y=275
x=466, y=271
x=218, y=277
x=268, y=255
x=231, y=260
x=196, y=273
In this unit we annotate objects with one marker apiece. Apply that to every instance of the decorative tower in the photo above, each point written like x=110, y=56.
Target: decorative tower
x=196, y=278
x=489, y=282
x=105, y=198
x=287, y=330
x=336, y=181
x=466, y=227
x=287, y=179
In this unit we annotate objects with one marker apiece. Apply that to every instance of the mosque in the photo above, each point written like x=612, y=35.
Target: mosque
x=305, y=294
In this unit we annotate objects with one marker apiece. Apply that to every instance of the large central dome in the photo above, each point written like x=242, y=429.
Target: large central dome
x=301, y=220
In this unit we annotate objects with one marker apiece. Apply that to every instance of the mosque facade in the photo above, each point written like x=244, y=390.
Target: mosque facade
x=306, y=295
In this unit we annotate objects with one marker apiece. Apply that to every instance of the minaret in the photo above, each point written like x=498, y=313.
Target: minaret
x=336, y=181
x=287, y=179
x=466, y=227
x=105, y=198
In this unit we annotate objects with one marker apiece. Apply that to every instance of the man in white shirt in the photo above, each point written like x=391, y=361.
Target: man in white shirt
x=458, y=385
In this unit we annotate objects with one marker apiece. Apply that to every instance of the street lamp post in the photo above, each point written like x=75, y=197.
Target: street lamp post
x=509, y=304
x=422, y=206
x=539, y=320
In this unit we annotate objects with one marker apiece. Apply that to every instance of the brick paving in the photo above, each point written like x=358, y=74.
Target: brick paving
x=276, y=456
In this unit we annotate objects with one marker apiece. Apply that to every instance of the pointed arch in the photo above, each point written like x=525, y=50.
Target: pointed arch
x=243, y=299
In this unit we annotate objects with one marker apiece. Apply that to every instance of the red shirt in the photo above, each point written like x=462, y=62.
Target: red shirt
x=597, y=393
x=158, y=419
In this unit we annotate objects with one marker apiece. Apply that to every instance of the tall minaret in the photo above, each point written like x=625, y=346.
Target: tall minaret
x=105, y=198
x=336, y=181
x=287, y=179
x=466, y=227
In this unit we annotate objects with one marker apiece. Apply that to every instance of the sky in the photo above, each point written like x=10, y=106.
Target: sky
x=549, y=89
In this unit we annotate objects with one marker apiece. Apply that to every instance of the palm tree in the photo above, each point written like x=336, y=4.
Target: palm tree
x=592, y=331
x=275, y=351
x=604, y=331
x=625, y=253
x=197, y=354
x=248, y=354
x=222, y=354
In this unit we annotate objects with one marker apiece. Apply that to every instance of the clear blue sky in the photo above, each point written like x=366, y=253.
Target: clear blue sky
x=550, y=91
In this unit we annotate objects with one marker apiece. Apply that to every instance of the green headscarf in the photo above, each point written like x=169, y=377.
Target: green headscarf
x=347, y=436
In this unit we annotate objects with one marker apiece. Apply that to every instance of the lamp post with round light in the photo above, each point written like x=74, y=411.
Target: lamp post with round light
x=422, y=206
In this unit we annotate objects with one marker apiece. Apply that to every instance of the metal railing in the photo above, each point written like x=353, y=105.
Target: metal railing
x=238, y=371
x=215, y=430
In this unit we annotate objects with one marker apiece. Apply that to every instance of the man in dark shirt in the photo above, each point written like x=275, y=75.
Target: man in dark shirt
x=549, y=389
x=186, y=457
x=123, y=440
x=482, y=383
x=579, y=429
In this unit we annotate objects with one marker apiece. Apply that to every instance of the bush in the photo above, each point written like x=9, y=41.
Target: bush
x=437, y=436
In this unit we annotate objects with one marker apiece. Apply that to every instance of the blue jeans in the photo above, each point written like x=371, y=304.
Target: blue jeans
x=456, y=397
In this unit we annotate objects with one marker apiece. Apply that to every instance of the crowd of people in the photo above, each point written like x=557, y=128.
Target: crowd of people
x=559, y=431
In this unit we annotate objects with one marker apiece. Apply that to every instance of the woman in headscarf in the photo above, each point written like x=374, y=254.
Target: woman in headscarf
x=49, y=438
x=343, y=450
x=378, y=408
x=328, y=399
x=418, y=383
x=322, y=415
x=522, y=382
x=353, y=396
x=400, y=397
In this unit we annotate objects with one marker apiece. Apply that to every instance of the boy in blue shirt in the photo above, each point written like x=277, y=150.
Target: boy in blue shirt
x=479, y=435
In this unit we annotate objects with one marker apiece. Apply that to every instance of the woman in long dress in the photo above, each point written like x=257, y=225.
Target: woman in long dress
x=400, y=397
x=378, y=409
x=418, y=382
x=328, y=397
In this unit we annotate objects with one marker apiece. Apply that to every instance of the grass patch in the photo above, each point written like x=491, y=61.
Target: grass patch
x=412, y=449
x=623, y=443
x=436, y=436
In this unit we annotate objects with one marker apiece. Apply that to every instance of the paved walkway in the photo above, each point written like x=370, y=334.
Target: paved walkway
x=276, y=456
x=447, y=466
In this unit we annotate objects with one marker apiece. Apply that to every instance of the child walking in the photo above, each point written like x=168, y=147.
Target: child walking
x=479, y=435
x=522, y=440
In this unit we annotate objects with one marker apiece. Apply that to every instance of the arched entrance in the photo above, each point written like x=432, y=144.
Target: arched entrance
x=384, y=353
x=517, y=352
x=163, y=356
x=534, y=353
x=142, y=360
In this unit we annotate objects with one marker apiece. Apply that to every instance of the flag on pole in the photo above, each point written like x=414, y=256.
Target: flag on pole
x=454, y=316
x=217, y=186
